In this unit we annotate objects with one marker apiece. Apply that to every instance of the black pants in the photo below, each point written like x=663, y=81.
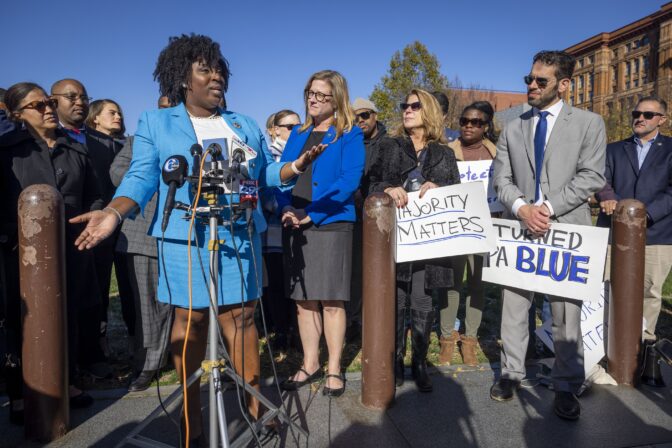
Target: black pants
x=278, y=309
x=105, y=256
x=414, y=293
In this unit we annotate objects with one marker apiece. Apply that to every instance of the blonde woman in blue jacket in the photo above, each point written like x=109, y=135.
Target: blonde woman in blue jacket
x=318, y=216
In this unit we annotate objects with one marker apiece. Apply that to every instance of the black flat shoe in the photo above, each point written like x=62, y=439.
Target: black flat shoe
x=290, y=384
x=334, y=392
x=566, y=406
x=83, y=400
x=143, y=381
x=503, y=389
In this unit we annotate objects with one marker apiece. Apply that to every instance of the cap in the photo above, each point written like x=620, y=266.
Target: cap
x=361, y=103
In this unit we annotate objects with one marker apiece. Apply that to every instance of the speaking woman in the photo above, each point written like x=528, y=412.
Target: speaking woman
x=319, y=215
x=416, y=159
x=193, y=74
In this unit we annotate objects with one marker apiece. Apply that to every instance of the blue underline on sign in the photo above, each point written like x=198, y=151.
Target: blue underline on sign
x=526, y=242
x=464, y=235
x=429, y=216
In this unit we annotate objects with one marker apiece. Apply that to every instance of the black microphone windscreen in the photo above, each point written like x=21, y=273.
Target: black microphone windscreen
x=174, y=170
x=196, y=149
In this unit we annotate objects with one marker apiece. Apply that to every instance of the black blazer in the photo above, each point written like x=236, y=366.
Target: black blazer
x=26, y=161
x=652, y=184
x=396, y=159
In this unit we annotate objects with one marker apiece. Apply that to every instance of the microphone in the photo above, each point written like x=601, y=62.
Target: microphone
x=215, y=150
x=173, y=173
x=237, y=159
x=196, y=151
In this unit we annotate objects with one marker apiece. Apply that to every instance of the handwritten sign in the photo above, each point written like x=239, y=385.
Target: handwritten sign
x=568, y=261
x=593, y=329
x=481, y=170
x=447, y=221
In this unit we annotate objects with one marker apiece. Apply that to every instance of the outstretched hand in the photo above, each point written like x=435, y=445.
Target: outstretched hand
x=100, y=225
x=303, y=162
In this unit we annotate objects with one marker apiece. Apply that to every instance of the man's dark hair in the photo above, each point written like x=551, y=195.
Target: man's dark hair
x=488, y=112
x=663, y=104
x=17, y=93
x=563, y=62
x=60, y=82
x=2, y=95
x=442, y=98
x=173, y=68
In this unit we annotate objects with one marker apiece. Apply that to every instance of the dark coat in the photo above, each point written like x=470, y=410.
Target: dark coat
x=652, y=184
x=372, y=147
x=26, y=161
x=397, y=159
x=102, y=150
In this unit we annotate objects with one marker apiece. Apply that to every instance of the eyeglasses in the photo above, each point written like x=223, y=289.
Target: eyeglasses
x=476, y=122
x=647, y=115
x=541, y=82
x=41, y=106
x=73, y=98
x=319, y=96
x=414, y=106
x=288, y=126
x=364, y=115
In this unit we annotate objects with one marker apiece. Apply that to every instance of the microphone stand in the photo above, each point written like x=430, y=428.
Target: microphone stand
x=212, y=365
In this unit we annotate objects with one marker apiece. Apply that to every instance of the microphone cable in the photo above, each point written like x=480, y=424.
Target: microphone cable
x=268, y=342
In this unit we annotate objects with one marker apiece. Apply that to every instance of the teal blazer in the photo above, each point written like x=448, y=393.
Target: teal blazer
x=163, y=133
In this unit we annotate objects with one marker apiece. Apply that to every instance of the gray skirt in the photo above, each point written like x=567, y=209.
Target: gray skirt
x=318, y=263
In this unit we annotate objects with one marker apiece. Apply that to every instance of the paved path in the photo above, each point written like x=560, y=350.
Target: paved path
x=458, y=413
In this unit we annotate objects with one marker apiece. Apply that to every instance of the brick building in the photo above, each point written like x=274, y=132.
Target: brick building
x=615, y=69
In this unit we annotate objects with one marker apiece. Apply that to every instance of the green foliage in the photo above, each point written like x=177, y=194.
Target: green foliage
x=413, y=67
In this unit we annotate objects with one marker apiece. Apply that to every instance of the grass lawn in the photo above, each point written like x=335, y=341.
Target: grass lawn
x=289, y=362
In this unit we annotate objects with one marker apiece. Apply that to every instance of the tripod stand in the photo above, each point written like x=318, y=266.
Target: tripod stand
x=216, y=368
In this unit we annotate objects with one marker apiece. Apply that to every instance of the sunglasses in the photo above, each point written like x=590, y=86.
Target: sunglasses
x=363, y=115
x=476, y=122
x=647, y=115
x=73, y=97
x=541, y=82
x=289, y=127
x=414, y=106
x=41, y=106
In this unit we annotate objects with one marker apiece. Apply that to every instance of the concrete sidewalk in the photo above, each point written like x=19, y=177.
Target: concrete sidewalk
x=459, y=413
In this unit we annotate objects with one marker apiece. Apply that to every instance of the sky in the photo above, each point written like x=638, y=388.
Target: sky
x=273, y=47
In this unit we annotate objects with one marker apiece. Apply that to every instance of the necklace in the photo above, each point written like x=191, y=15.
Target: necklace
x=211, y=117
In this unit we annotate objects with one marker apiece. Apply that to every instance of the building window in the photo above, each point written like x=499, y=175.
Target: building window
x=580, y=83
x=614, y=53
x=635, y=83
x=591, y=59
x=644, y=41
x=579, y=63
x=580, y=98
x=572, y=85
x=636, y=64
x=627, y=85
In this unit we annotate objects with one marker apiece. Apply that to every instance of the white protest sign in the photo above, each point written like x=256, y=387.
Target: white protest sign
x=568, y=261
x=481, y=170
x=593, y=329
x=447, y=221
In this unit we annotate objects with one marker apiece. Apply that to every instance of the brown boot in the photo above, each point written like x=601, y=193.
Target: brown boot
x=469, y=344
x=448, y=347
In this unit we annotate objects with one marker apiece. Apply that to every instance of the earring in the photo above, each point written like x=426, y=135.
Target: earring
x=335, y=115
x=184, y=85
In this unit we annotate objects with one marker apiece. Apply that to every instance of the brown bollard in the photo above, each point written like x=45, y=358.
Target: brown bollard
x=42, y=272
x=378, y=302
x=627, y=291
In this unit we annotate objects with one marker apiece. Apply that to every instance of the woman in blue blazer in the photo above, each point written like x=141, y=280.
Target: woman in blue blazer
x=318, y=216
x=193, y=74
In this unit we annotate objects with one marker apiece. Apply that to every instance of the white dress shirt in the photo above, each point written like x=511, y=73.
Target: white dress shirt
x=551, y=118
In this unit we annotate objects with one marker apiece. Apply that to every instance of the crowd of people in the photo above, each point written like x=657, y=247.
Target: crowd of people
x=313, y=176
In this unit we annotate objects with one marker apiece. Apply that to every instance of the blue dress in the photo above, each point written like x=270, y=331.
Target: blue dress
x=167, y=132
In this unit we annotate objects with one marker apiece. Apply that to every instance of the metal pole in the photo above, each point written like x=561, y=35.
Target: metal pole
x=627, y=291
x=378, y=302
x=213, y=247
x=43, y=293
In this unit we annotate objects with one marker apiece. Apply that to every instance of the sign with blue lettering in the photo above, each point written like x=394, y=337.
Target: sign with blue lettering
x=568, y=261
x=446, y=221
x=593, y=328
x=481, y=171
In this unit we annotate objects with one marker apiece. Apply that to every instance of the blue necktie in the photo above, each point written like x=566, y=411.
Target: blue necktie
x=539, y=143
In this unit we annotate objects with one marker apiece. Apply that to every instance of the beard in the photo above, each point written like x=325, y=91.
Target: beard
x=546, y=98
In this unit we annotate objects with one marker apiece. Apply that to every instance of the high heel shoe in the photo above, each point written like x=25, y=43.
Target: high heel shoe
x=334, y=392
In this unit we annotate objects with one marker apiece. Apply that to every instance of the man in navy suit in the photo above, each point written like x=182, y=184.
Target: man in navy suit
x=640, y=167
